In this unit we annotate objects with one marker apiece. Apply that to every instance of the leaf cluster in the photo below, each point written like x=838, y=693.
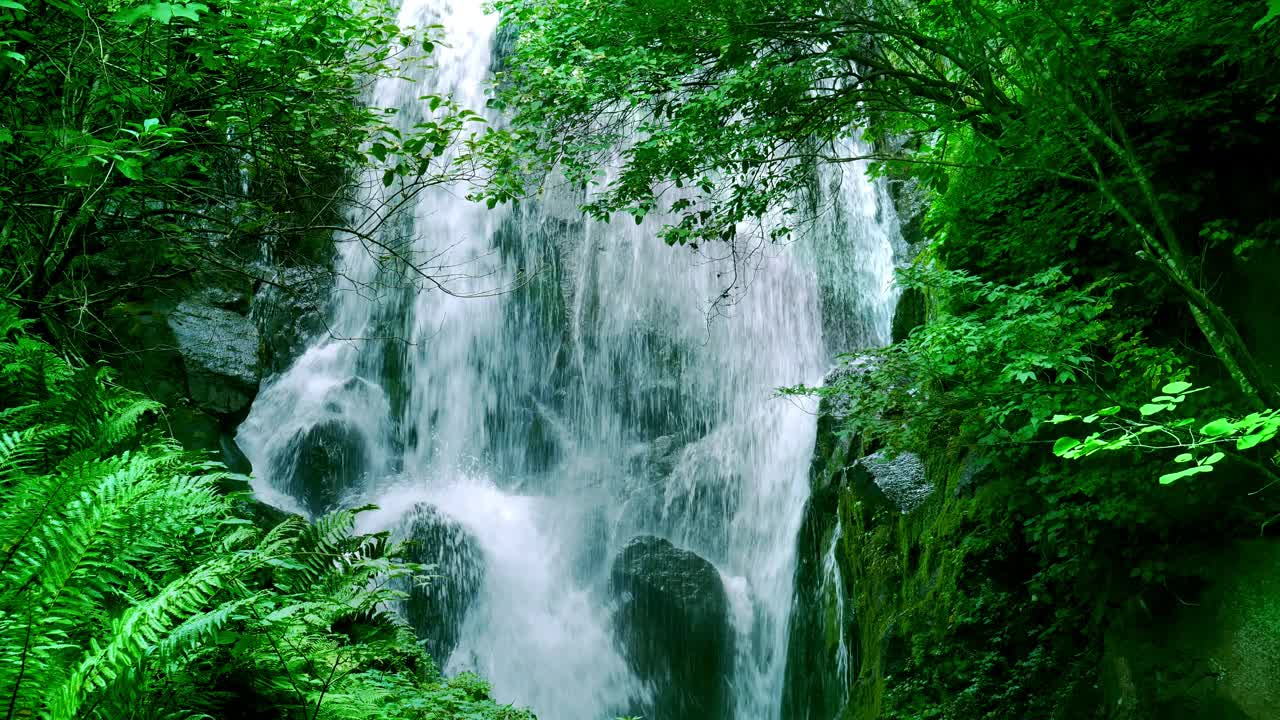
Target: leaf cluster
x=132, y=584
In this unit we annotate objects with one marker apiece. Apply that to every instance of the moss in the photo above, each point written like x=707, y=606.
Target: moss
x=901, y=573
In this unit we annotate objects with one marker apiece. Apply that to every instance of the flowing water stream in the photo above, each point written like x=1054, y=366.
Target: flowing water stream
x=598, y=400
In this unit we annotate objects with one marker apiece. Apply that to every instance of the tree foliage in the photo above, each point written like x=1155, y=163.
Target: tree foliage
x=141, y=142
x=737, y=102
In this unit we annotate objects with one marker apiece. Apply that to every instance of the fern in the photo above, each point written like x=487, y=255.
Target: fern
x=129, y=586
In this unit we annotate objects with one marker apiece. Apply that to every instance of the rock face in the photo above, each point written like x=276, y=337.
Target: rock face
x=437, y=610
x=1216, y=655
x=899, y=481
x=323, y=464
x=673, y=624
x=220, y=350
x=909, y=313
x=289, y=313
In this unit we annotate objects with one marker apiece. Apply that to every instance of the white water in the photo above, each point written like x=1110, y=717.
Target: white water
x=599, y=402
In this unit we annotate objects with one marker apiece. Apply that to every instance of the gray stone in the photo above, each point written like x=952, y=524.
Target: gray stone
x=437, y=609
x=975, y=472
x=839, y=407
x=898, y=481
x=323, y=464
x=220, y=351
x=233, y=299
x=289, y=312
x=672, y=621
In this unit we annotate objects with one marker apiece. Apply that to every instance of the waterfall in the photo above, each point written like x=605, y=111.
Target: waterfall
x=597, y=398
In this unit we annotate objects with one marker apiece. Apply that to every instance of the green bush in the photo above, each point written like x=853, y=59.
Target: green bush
x=131, y=586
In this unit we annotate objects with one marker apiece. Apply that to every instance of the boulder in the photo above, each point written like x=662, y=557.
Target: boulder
x=835, y=410
x=898, y=482
x=195, y=429
x=437, y=609
x=220, y=350
x=289, y=312
x=323, y=464
x=673, y=624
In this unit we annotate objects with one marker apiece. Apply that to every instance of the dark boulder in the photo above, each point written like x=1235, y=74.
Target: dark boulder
x=437, y=609
x=673, y=624
x=289, y=312
x=909, y=314
x=323, y=464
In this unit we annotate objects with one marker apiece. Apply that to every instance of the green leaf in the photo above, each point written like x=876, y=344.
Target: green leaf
x=1272, y=13
x=1253, y=440
x=1056, y=419
x=1218, y=428
x=1064, y=445
x=130, y=168
x=1107, y=412
x=1176, y=476
x=1153, y=408
x=1184, y=457
x=12, y=5
x=1213, y=459
x=150, y=124
x=1174, y=388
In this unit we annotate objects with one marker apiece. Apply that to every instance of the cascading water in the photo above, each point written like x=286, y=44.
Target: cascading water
x=594, y=402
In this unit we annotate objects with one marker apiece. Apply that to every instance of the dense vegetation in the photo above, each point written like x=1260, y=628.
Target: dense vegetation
x=134, y=583
x=1092, y=283
x=144, y=145
x=1100, y=180
x=141, y=143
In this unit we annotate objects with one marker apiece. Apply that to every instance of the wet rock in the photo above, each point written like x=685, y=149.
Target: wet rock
x=663, y=454
x=909, y=313
x=673, y=623
x=897, y=482
x=975, y=472
x=822, y=652
x=323, y=464
x=220, y=351
x=195, y=429
x=289, y=312
x=438, y=609
x=229, y=290
x=835, y=410
x=263, y=515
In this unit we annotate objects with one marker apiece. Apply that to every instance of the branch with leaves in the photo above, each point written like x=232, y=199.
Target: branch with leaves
x=1199, y=443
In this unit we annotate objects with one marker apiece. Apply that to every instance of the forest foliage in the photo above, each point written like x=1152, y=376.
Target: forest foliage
x=1100, y=179
x=144, y=142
